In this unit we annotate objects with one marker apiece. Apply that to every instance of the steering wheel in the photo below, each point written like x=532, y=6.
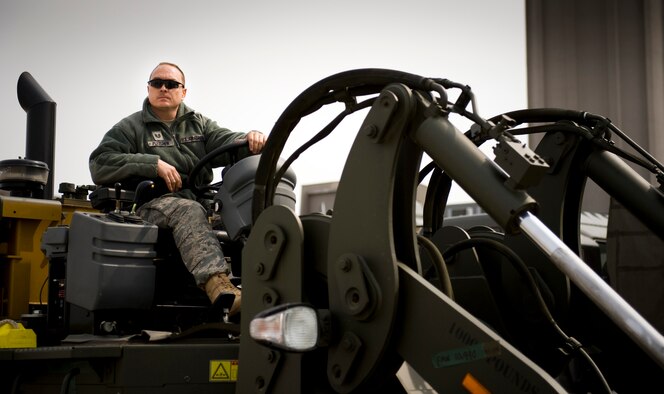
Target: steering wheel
x=233, y=147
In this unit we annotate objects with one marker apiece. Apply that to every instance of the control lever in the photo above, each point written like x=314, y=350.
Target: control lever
x=118, y=194
x=140, y=196
x=143, y=194
x=116, y=215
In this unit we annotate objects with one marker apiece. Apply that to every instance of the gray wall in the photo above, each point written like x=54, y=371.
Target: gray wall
x=606, y=57
x=600, y=56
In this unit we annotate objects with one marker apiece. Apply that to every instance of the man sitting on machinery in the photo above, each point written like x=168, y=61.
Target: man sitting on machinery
x=164, y=141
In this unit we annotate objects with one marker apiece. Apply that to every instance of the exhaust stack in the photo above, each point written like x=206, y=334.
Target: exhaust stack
x=40, y=129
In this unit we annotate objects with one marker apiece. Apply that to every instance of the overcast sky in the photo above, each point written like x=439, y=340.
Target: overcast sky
x=244, y=62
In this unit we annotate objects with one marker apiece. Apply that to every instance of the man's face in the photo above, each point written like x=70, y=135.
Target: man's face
x=161, y=97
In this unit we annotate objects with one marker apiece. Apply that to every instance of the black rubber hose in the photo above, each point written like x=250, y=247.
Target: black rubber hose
x=321, y=135
x=539, y=115
x=66, y=382
x=522, y=269
x=339, y=87
x=439, y=264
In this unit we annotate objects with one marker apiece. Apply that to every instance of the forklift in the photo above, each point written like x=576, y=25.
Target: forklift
x=346, y=301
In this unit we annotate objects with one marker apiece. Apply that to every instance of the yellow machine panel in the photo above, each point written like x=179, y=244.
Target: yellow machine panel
x=23, y=266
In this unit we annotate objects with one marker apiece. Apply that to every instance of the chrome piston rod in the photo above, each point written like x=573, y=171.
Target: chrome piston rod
x=484, y=181
x=618, y=310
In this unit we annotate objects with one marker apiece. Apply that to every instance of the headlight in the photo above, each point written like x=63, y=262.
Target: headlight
x=292, y=327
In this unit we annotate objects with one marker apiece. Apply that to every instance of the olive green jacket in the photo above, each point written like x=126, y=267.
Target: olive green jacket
x=129, y=151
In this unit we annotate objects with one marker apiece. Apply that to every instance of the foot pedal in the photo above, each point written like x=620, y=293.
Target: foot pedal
x=222, y=307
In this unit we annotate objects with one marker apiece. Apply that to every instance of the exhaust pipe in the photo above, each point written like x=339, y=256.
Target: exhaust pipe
x=40, y=132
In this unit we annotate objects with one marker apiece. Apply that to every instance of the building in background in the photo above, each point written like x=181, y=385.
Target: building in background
x=607, y=57
x=601, y=56
x=320, y=198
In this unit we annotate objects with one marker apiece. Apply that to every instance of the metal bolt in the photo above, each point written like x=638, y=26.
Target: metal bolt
x=345, y=265
x=260, y=382
x=270, y=357
x=336, y=371
x=354, y=296
x=371, y=130
x=260, y=268
x=348, y=344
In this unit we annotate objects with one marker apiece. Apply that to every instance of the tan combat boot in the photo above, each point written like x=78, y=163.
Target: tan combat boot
x=219, y=284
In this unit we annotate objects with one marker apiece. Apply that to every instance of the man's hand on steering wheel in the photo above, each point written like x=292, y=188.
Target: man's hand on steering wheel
x=256, y=141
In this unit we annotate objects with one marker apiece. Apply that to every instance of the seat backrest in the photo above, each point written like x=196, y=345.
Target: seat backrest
x=236, y=193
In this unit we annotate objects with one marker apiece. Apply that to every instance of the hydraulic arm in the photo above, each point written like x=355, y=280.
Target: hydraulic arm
x=364, y=260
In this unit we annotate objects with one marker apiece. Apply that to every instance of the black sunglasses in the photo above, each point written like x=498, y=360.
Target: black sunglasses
x=158, y=83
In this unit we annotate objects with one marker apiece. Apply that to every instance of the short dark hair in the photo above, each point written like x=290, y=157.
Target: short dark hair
x=169, y=64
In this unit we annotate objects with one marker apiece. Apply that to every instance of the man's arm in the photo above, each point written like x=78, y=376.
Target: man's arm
x=216, y=136
x=116, y=159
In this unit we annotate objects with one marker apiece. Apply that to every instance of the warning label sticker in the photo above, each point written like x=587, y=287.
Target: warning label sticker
x=223, y=370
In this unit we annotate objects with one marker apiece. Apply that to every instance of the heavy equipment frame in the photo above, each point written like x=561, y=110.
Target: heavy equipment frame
x=471, y=310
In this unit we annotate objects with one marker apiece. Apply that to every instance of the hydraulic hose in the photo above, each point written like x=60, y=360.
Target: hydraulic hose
x=522, y=269
x=541, y=115
x=344, y=86
x=439, y=264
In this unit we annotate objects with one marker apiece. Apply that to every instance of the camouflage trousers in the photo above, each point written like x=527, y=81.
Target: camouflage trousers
x=198, y=246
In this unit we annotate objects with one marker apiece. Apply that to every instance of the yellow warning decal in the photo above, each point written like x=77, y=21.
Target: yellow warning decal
x=223, y=370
